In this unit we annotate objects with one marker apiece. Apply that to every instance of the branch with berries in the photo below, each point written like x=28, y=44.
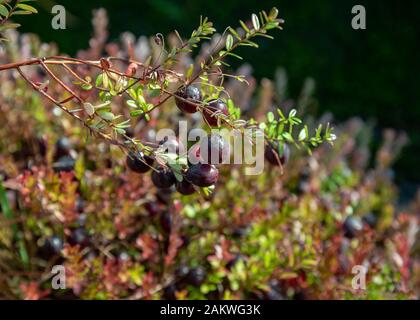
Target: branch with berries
x=148, y=85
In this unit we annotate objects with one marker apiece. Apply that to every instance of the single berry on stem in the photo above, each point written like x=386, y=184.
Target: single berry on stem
x=138, y=162
x=184, y=187
x=64, y=163
x=352, y=226
x=190, y=93
x=202, y=175
x=277, y=153
x=163, y=178
x=80, y=237
x=214, y=149
x=214, y=108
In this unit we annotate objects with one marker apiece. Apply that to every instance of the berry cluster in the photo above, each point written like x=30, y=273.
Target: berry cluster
x=202, y=158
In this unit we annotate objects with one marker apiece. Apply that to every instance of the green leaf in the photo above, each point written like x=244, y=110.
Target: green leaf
x=3, y=11
x=244, y=26
x=9, y=26
x=27, y=7
x=106, y=115
x=99, y=80
x=229, y=42
x=233, y=31
x=255, y=22
x=4, y=203
x=136, y=113
x=90, y=110
x=87, y=86
x=132, y=104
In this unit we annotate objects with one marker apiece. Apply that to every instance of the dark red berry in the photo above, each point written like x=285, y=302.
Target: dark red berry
x=182, y=272
x=214, y=149
x=191, y=93
x=212, y=109
x=80, y=237
x=172, y=145
x=352, y=226
x=169, y=293
x=65, y=163
x=184, y=187
x=277, y=151
x=202, y=175
x=51, y=247
x=370, y=219
x=62, y=147
x=164, y=195
x=163, y=177
x=138, y=162
x=197, y=276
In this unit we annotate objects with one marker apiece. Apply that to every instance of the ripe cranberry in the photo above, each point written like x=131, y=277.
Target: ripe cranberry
x=370, y=219
x=191, y=93
x=202, y=175
x=182, y=272
x=197, y=276
x=163, y=178
x=65, y=163
x=276, y=151
x=172, y=145
x=352, y=226
x=184, y=187
x=214, y=107
x=62, y=147
x=169, y=293
x=80, y=237
x=164, y=195
x=214, y=149
x=138, y=162
x=51, y=247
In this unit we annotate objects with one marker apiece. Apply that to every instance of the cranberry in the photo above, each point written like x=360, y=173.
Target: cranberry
x=197, y=276
x=214, y=107
x=51, y=247
x=138, y=162
x=352, y=226
x=191, y=93
x=215, y=149
x=370, y=219
x=184, y=187
x=202, y=175
x=64, y=163
x=163, y=178
x=80, y=237
x=62, y=147
x=276, y=151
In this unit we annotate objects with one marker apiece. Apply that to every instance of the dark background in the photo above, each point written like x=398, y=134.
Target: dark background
x=371, y=73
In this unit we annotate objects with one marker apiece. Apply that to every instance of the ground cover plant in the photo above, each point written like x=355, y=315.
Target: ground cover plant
x=87, y=183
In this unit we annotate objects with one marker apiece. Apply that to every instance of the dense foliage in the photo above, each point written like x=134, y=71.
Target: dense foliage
x=295, y=231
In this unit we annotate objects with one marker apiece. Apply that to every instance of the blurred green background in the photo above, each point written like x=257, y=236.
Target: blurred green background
x=369, y=73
